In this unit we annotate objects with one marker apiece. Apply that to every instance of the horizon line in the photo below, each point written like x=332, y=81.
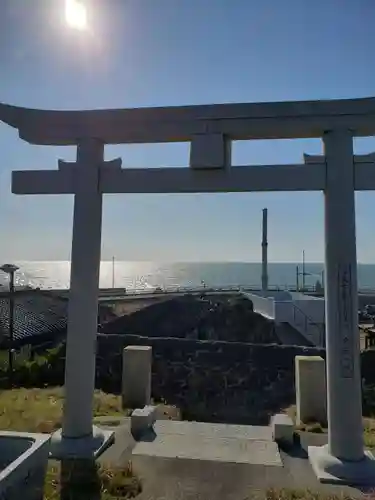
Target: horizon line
x=181, y=261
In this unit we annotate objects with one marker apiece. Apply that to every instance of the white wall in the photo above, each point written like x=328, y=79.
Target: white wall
x=262, y=305
x=281, y=295
x=314, y=309
x=307, y=316
x=283, y=311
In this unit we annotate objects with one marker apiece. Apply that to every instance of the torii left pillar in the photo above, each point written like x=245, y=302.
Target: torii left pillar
x=78, y=438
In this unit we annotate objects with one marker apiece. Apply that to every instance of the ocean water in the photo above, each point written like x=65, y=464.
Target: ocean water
x=148, y=275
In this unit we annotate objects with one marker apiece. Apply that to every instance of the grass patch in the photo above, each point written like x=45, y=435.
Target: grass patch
x=321, y=428
x=369, y=432
x=19, y=358
x=82, y=480
x=300, y=494
x=315, y=427
x=40, y=410
x=108, y=423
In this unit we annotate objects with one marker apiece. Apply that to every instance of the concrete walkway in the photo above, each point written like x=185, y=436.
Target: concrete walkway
x=191, y=460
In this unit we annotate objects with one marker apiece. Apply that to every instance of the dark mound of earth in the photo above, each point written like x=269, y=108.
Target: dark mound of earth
x=205, y=317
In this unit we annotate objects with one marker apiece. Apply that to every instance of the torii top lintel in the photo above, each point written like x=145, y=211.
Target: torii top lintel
x=276, y=120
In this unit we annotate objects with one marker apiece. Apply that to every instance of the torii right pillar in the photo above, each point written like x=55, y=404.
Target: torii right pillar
x=344, y=459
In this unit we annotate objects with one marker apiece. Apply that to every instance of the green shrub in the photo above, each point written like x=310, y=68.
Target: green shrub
x=368, y=399
x=45, y=369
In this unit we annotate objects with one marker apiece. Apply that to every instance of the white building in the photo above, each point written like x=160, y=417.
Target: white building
x=303, y=312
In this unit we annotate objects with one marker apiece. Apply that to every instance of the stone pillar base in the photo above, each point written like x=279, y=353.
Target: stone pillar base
x=330, y=469
x=91, y=446
x=311, y=389
x=136, y=376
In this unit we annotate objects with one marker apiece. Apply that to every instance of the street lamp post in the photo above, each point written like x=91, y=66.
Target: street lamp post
x=10, y=269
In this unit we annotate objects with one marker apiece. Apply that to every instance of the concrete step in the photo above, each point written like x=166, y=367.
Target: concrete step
x=215, y=431
x=236, y=444
x=240, y=444
x=201, y=447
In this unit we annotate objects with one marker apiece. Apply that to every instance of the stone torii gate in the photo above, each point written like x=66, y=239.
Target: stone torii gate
x=210, y=130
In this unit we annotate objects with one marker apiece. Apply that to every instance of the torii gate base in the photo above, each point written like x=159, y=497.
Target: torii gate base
x=210, y=130
x=333, y=470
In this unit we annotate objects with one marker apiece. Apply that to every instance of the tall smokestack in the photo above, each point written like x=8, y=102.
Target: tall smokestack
x=264, y=251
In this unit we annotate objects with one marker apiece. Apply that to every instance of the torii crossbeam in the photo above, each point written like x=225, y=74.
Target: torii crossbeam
x=184, y=180
x=210, y=131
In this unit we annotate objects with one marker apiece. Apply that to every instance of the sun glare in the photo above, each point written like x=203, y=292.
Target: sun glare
x=75, y=14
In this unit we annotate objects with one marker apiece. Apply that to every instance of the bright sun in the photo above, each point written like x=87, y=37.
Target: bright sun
x=75, y=14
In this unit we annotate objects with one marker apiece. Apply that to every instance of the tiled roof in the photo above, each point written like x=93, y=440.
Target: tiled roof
x=35, y=314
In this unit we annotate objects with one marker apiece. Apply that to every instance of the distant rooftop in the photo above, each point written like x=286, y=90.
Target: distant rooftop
x=37, y=317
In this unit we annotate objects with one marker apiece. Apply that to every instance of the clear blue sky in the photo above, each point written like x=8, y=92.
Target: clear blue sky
x=172, y=52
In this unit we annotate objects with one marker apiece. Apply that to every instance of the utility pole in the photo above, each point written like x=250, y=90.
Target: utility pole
x=264, y=251
x=297, y=279
x=303, y=270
